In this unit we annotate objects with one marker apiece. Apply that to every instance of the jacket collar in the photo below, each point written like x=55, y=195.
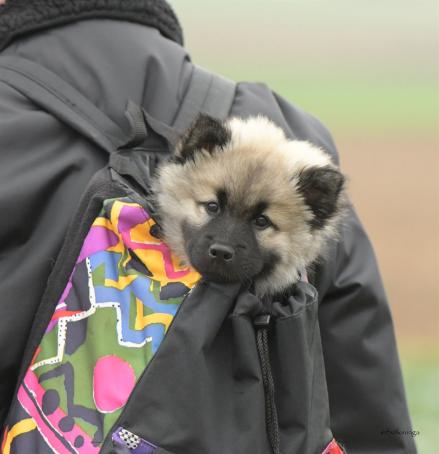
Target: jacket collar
x=19, y=17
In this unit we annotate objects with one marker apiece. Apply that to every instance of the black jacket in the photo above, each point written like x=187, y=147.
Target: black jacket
x=133, y=50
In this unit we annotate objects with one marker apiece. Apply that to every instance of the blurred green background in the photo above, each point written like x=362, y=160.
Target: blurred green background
x=369, y=70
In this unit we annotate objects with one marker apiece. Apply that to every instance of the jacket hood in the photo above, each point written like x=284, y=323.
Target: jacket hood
x=19, y=17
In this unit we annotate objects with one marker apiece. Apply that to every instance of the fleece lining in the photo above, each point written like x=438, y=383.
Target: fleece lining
x=20, y=17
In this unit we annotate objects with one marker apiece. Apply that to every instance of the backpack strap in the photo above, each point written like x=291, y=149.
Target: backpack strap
x=62, y=100
x=206, y=92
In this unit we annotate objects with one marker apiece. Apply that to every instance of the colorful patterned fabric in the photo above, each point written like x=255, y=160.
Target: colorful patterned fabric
x=120, y=299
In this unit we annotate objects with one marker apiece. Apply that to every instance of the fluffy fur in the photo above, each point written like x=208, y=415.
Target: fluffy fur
x=254, y=175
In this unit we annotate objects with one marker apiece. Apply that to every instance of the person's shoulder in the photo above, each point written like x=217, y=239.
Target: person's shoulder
x=255, y=98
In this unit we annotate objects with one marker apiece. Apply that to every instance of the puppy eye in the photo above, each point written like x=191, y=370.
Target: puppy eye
x=262, y=222
x=212, y=207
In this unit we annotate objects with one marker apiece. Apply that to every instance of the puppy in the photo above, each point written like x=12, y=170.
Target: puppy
x=238, y=201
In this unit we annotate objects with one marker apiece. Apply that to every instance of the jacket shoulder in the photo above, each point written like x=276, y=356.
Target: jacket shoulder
x=258, y=99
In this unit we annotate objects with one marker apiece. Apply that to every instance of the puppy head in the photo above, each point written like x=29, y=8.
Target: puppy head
x=241, y=202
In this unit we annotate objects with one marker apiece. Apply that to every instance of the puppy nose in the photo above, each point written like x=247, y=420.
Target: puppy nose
x=222, y=252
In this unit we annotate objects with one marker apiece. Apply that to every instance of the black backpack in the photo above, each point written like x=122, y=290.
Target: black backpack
x=131, y=353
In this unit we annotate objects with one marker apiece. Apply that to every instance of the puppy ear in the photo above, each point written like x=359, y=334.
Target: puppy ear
x=321, y=187
x=206, y=133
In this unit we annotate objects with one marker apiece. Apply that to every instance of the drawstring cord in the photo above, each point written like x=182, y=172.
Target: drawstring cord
x=261, y=323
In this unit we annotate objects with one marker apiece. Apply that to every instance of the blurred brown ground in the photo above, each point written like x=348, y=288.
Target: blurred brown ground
x=394, y=186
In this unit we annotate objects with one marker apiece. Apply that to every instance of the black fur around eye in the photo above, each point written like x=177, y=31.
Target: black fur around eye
x=212, y=207
x=262, y=222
